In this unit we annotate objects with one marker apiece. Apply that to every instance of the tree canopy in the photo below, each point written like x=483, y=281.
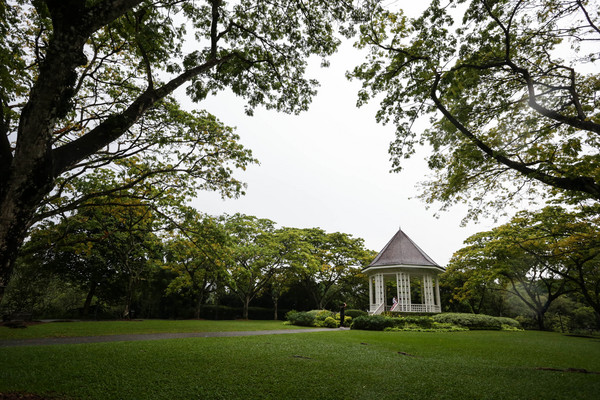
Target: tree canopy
x=510, y=89
x=85, y=83
x=538, y=256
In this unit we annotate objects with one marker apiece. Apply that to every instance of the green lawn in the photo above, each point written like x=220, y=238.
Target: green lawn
x=95, y=328
x=318, y=365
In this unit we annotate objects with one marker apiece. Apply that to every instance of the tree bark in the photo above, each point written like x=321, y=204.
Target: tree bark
x=88, y=300
x=246, y=306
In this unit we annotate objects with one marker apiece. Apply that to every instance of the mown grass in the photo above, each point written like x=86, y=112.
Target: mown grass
x=98, y=328
x=328, y=365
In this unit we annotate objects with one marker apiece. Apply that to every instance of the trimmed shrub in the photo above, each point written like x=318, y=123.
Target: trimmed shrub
x=355, y=313
x=372, y=322
x=301, y=318
x=322, y=315
x=420, y=321
x=329, y=322
x=435, y=327
x=513, y=323
x=471, y=321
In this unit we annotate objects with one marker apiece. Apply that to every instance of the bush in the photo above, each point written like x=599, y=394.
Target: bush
x=329, y=322
x=511, y=322
x=420, y=321
x=435, y=327
x=372, y=322
x=301, y=318
x=471, y=321
x=322, y=315
x=355, y=313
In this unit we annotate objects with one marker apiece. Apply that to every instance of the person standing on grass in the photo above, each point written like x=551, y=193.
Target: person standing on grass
x=342, y=314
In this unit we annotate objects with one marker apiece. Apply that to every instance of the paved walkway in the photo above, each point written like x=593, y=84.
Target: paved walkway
x=151, y=336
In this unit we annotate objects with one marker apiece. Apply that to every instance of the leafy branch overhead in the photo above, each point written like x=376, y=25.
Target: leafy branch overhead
x=510, y=91
x=88, y=84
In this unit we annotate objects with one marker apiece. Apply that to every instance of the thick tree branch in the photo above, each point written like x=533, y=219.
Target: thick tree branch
x=587, y=17
x=116, y=125
x=5, y=149
x=574, y=122
x=581, y=183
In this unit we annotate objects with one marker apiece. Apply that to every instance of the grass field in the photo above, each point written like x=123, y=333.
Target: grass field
x=319, y=365
x=96, y=328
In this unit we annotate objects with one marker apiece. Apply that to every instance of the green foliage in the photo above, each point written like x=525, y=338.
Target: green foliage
x=319, y=318
x=372, y=322
x=108, y=251
x=405, y=323
x=86, y=86
x=301, y=318
x=321, y=315
x=329, y=322
x=471, y=321
x=509, y=88
x=333, y=265
x=355, y=313
x=509, y=322
x=434, y=327
x=538, y=257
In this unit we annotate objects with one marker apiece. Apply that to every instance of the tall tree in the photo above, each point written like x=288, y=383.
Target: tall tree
x=99, y=246
x=335, y=256
x=296, y=252
x=494, y=258
x=196, y=254
x=540, y=254
x=510, y=92
x=257, y=252
x=568, y=242
x=77, y=76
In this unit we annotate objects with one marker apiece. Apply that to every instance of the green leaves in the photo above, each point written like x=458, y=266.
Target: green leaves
x=508, y=110
x=538, y=256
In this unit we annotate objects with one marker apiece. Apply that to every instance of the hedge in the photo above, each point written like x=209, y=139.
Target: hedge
x=433, y=323
x=320, y=318
x=471, y=321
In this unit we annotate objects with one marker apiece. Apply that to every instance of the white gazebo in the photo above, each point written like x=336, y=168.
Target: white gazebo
x=400, y=261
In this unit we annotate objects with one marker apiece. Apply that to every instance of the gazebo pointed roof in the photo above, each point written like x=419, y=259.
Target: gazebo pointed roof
x=401, y=250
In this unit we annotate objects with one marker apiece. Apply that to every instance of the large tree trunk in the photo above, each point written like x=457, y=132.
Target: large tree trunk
x=20, y=196
x=275, y=306
x=28, y=174
x=88, y=300
x=540, y=320
x=199, y=304
x=246, y=306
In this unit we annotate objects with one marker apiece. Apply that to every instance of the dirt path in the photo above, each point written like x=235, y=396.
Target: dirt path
x=151, y=336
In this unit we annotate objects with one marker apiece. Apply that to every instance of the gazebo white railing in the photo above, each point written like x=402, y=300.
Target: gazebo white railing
x=429, y=293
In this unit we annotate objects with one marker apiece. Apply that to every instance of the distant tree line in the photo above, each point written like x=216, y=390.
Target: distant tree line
x=542, y=267
x=124, y=259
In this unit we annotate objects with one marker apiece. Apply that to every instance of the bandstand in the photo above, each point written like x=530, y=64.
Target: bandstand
x=402, y=261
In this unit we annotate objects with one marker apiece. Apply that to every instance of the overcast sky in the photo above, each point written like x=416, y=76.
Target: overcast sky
x=329, y=168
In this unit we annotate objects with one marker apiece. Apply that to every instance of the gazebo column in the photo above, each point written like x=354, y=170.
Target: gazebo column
x=438, y=301
x=379, y=294
x=371, y=302
x=428, y=293
x=403, y=288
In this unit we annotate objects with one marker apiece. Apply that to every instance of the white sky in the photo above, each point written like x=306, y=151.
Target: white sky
x=329, y=168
